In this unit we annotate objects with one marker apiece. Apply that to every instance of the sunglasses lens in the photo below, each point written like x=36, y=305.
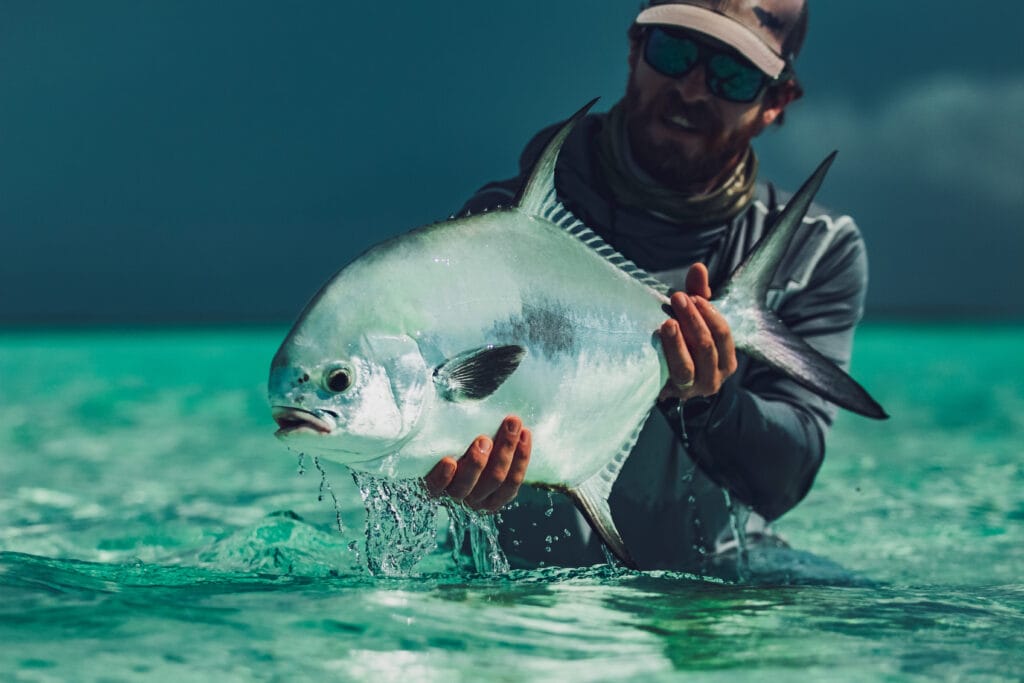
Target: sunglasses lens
x=734, y=80
x=670, y=55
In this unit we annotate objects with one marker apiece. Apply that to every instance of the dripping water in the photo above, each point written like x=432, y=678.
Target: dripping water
x=609, y=558
x=480, y=528
x=738, y=516
x=326, y=485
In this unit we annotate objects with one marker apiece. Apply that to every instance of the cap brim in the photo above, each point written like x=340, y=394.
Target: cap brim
x=719, y=27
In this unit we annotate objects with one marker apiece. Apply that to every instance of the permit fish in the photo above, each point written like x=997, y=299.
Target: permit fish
x=434, y=336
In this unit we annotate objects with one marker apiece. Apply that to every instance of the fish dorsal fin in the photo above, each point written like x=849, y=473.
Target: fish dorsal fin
x=477, y=373
x=541, y=183
x=591, y=498
x=557, y=213
x=538, y=197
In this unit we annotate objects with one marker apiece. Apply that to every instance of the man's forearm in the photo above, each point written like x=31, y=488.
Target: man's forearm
x=765, y=451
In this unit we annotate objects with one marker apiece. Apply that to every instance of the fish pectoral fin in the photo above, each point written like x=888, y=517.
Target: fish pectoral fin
x=477, y=373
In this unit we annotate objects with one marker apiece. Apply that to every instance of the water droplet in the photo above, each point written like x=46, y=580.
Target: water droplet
x=326, y=486
x=567, y=533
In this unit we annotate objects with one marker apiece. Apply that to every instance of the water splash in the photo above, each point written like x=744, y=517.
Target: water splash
x=480, y=527
x=353, y=547
x=402, y=526
x=401, y=523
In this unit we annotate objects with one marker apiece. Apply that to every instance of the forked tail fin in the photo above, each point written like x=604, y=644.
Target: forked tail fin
x=758, y=331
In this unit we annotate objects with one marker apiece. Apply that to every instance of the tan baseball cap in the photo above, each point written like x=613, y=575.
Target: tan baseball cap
x=767, y=32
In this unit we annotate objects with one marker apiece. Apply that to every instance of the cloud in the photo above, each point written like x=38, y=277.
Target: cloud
x=952, y=133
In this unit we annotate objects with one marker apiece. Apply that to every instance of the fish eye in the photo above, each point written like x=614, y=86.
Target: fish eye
x=338, y=380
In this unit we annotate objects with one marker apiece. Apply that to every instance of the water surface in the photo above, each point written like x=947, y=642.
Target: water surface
x=151, y=528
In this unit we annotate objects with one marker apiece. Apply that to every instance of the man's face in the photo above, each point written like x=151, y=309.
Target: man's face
x=681, y=134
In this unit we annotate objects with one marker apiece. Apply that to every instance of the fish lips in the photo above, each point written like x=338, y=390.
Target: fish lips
x=291, y=421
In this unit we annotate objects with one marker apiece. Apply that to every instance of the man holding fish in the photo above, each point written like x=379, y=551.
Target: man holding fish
x=669, y=179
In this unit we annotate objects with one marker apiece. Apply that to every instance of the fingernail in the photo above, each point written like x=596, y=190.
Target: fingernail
x=483, y=444
x=512, y=426
x=669, y=329
x=684, y=300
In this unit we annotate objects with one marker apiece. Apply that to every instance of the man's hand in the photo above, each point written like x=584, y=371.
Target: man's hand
x=697, y=342
x=490, y=473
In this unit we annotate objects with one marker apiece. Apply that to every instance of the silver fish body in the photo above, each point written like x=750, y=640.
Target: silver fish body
x=590, y=371
x=433, y=337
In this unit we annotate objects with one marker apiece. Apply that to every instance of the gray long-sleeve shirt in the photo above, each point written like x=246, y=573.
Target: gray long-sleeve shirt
x=761, y=438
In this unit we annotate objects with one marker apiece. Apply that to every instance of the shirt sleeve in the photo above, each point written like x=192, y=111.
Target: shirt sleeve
x=762, y=437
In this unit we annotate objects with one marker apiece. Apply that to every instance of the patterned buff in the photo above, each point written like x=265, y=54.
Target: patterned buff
x=719, y=206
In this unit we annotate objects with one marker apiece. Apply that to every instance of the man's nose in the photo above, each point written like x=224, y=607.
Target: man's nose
x=693, y=85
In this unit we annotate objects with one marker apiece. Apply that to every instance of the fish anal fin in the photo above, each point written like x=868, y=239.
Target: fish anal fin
x=594, y=507
x=477, y=373
x=591, y=499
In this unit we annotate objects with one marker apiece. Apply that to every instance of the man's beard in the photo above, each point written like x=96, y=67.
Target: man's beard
x=674, y=165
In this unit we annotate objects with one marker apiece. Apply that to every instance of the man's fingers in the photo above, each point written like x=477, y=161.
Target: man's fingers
x=680, y=364
x=699, y=341
x=470, y=467
x=505, y=443
x=721, y=333
x=506, y=493
x=437, y=479
x=697, y=281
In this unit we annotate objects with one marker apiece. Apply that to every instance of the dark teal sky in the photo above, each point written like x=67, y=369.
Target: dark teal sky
x=200, y=162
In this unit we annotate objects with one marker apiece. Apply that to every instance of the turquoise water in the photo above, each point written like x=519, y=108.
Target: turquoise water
x=151, y=528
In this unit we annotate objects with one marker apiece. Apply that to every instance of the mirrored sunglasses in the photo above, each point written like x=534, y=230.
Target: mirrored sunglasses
x=727, y=75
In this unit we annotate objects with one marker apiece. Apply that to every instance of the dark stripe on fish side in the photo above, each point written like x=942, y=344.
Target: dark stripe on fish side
x=545, y=326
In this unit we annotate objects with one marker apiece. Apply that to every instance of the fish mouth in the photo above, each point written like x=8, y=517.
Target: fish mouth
x=295, y=420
